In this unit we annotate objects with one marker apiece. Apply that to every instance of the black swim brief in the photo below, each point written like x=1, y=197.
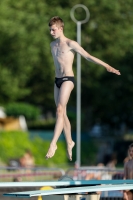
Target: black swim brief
x=59, y=81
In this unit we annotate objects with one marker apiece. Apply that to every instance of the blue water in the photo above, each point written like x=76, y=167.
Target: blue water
x=47, y=135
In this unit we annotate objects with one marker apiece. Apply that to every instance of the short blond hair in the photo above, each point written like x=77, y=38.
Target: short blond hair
x=56, y=20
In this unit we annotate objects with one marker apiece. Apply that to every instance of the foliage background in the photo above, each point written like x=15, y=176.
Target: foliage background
x=26, y=65
x=12, y=147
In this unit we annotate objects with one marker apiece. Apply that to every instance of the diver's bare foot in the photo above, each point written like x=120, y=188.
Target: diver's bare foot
x=51, y=151
x=69, y=150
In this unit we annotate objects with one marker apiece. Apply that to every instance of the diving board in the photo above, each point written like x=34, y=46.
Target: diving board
x=64, y=183
x=73, y=190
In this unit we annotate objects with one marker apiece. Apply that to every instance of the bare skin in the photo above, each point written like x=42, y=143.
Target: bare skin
x=63, y=50
x=128, y=174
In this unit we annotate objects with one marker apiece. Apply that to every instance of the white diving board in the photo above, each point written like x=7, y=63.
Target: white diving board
x=75, y=190
x=64, y=183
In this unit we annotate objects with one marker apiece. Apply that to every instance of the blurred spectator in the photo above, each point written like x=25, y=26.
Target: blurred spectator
x=17, y=179
x=112, y=162
x=13, y=164
x=96, y=175
x=27, y=160
x=128, y=172
x=126, y=159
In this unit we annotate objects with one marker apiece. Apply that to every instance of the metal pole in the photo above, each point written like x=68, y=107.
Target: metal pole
x=78, y=139
x=78, y=145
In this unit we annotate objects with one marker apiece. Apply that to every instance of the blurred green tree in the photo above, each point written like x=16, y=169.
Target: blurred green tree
x=27, y=71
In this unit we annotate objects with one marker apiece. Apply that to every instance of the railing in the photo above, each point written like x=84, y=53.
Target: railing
x=95, y=172
x=29, y=174
x=98, y=173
